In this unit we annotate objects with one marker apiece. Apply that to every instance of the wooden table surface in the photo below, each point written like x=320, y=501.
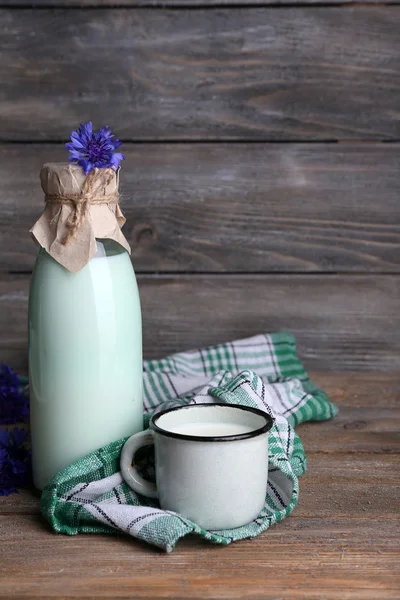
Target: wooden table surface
x=341, y=542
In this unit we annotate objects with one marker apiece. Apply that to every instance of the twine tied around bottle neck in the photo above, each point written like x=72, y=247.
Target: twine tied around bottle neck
x=93, y=192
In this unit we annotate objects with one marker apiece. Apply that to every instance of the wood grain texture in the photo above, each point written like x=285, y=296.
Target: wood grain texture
x=347, y=516
x=354, y=430
x=300, y=73
x=312, y=559
x=342, y=541
x=179, y=3
x=232, y=207
x=367, y=423
x=343, y=484
x=340, y=322
x=377, y=431
x=360, y=390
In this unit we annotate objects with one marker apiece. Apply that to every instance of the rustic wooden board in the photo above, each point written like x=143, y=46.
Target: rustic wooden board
x=377, y=431
x=360, y=390
x=180, y=3
x=340, y=322
x=342, y=485
x=301, y=73
x=311, y=559
x=368, y=422
x=232, y=207
x=361, y=430
x=342, y=540
x=347, y=516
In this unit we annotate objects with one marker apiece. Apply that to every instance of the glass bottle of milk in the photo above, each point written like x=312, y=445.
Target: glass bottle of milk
x=85, y=330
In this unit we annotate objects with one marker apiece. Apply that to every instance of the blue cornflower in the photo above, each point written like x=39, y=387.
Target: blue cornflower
x=14, y=402
x=14, y=460
x=90, y=150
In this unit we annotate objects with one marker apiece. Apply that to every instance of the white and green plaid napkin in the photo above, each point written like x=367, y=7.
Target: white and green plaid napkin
x=264, y=371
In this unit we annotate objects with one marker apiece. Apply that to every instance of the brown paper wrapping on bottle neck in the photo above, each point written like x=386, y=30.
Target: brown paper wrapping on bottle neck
x=79, y=209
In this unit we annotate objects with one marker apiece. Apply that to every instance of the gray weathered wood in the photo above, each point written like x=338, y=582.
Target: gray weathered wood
x=232, y=207
x=181, y=3
x=341, y=322
x=299, y=73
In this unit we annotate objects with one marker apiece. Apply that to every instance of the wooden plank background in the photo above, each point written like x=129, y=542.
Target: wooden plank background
x=261, y=181
x=310, y=73
x=178, y=3
x=233, y=207
x=341, y=322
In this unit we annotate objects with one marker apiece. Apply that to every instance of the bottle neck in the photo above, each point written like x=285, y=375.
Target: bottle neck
x=106, y=247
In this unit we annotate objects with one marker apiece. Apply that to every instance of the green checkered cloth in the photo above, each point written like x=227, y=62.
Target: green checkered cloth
x=90, y=496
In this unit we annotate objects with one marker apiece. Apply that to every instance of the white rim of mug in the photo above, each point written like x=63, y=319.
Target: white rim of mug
x=215, y=438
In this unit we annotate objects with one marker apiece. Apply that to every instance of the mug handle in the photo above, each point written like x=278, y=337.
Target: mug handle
x=128, y=468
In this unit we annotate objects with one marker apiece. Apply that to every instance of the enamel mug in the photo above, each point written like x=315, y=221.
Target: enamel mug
x=211, y=462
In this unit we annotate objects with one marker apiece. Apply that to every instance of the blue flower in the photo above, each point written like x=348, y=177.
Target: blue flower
x=14, y=460
x=15, y=466
x=90, y=150
x=14, y=402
